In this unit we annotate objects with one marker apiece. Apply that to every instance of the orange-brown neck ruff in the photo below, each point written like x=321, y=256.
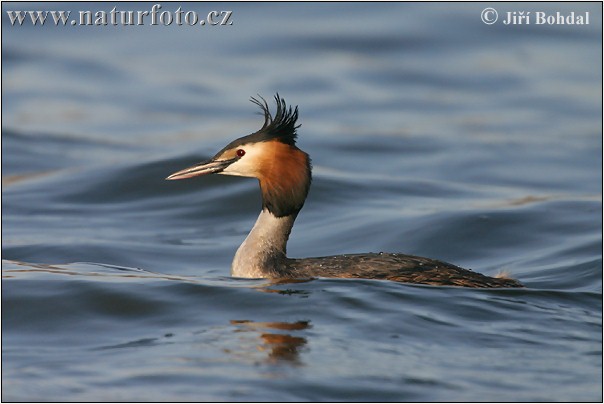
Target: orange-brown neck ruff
x=285, y=175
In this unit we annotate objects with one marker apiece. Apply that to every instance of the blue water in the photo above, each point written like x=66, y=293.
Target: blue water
x=431, y=133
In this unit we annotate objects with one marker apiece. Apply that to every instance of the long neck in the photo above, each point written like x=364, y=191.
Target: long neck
x=263, y=252
x=284, y=174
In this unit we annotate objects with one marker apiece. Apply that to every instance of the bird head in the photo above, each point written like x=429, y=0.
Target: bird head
x=270, y=155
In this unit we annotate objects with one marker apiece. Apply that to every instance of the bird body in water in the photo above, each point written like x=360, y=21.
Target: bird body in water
x=284, y=174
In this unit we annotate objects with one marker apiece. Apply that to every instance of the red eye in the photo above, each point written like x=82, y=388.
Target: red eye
x=241, y=152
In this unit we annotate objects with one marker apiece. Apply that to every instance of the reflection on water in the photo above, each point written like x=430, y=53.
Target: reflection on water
x=279, y=347
x=269, y=284
x=139, y=343
x=85, y=269
x=17, y=178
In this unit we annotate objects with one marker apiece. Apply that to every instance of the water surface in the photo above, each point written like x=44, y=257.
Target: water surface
x=431, y=133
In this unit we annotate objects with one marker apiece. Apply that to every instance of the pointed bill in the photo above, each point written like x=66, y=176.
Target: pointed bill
x=207, y=167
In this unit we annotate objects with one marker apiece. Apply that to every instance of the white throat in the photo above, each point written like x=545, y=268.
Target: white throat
x=263, y=253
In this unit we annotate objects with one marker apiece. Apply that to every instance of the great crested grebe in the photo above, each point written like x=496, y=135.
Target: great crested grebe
x=284, y=173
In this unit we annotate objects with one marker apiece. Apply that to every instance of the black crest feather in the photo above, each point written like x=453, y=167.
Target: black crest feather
x=282, y=126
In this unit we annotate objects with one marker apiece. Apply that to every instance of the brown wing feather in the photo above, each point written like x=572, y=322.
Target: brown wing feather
x=395, y=267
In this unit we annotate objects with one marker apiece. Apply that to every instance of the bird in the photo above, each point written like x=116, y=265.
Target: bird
x=284, y=174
